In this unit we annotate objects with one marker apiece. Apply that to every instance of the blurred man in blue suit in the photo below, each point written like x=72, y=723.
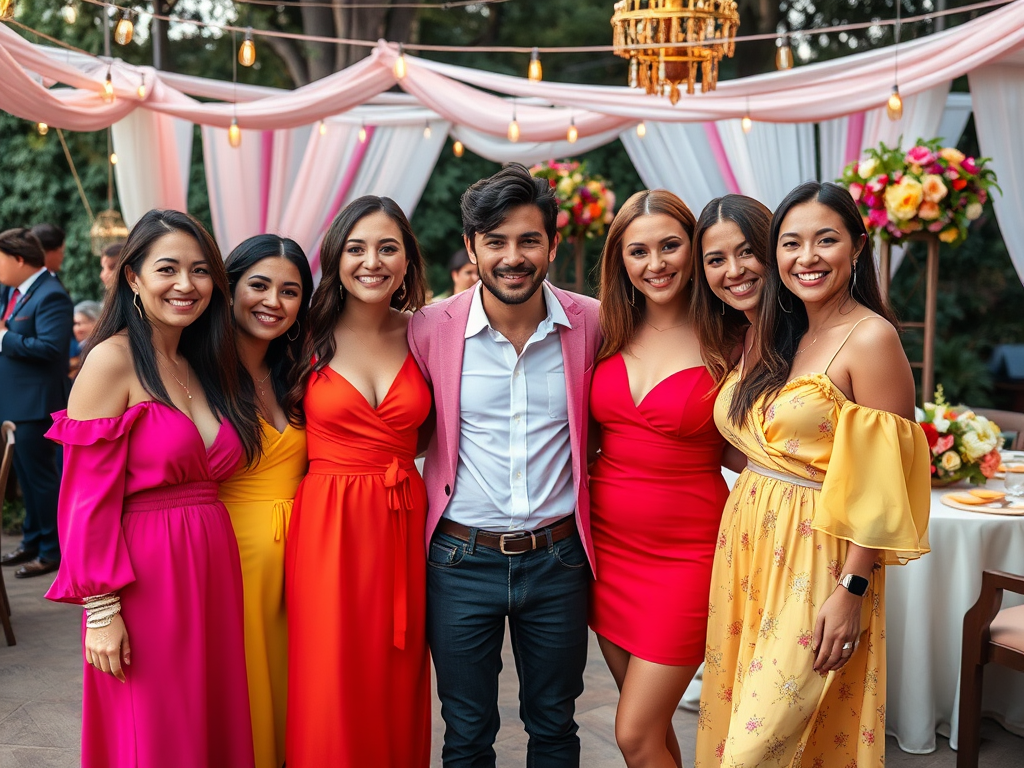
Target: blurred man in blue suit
x=35, y=335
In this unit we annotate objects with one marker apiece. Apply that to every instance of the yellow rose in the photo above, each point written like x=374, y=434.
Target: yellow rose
x=934, y=188
x=950, y=461
x=902, y=200
x=866, y=169
x=928, y=211
x=976, y=445
x=951, y=155
x=949, y=235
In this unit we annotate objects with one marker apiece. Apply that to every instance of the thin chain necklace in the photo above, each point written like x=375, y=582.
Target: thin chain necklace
x=816, y=335
x=183, y=386
x=261, y=382
x=669, y=328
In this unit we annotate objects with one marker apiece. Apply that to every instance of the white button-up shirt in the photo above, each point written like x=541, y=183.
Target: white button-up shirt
x=515, y=458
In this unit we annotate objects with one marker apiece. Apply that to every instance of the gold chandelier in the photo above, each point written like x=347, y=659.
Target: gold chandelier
x=642, y=27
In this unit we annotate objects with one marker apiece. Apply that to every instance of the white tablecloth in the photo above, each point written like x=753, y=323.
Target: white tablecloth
x=925, y=605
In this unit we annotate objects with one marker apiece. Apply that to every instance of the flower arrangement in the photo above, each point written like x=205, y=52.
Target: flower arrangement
x=586, y=203
x=964, y=446
x=928, y=188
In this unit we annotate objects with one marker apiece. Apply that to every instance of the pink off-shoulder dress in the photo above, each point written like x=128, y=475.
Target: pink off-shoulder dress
x=139, y=515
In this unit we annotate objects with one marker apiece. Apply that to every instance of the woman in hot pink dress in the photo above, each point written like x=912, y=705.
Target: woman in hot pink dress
x=153, y=424
x=657, y=491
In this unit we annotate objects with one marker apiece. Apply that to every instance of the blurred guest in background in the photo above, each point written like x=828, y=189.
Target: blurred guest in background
x=86, y=315
x=52, y=238
x=35, y=335
x=108, y=264
x=463, y=272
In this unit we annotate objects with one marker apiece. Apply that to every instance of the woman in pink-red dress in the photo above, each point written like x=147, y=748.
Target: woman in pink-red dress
x=153, y=425
x=657, y=491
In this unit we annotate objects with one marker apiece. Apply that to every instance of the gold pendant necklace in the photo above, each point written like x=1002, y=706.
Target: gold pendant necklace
x=183, y=386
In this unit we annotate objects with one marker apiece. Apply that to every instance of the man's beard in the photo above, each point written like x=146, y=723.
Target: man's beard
x=492, y=281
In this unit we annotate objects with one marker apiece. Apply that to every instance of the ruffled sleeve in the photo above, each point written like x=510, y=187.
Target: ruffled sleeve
x=94, y=558
x=877, y=490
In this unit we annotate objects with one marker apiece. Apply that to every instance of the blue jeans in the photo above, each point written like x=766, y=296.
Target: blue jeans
x=471, y=590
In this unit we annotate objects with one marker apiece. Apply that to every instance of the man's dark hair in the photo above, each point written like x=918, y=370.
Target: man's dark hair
x=50, y=235
x=21, y=243
x=458, y=260
x=113, y=251
x=486, y=204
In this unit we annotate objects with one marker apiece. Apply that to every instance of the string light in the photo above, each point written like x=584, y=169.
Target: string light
x=458, y=149
x=247, y=51
x=513, y=127
x=125, y=28
x=400, y=69
x=69, y=13
x=43, y=128
x=142, y=87
x=572, y=134
x=784, y=55
x=362, y=133
x=746, y=124
x=234, y=134
x=426, y=130
x=113, y=158
x=536, y=72
x=108, y=88
x=641, y=129
x=894, y=107
x=323, y=128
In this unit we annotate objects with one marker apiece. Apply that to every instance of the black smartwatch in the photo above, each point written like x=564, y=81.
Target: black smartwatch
x=857, y=585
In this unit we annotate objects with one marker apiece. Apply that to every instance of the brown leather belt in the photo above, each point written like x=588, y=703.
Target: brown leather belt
x=514, y=542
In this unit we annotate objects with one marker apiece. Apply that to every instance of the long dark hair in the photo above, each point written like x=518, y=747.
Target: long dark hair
x=780, y=330
x=622, y=306
x=720, y=329
x=328, y=300
x=206, y=344
x=284, y=352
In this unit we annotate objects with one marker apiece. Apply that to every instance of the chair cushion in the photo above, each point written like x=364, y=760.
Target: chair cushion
x=1008, y=628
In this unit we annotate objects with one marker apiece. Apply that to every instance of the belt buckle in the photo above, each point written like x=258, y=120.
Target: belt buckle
x=516, y=537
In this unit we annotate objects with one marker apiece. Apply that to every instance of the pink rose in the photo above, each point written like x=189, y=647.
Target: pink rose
x=982, y=195
x=942, y=445
x=969, y=166
x=936, y=168
x=878, y=217
x=952, y=173
x=990, y=461
x=856, y=190
x=936, y=226
x=877, y=185
x=897, y=176
x=563, y=219
x=872, y=201
x=919, y=156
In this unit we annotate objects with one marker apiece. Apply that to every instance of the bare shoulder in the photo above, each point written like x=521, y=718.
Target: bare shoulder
x=879, y=371
x=103, y=385
x=874, y=335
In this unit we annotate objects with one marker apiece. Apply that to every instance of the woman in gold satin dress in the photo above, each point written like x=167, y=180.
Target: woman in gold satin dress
x=836, y=487
x=271, y=285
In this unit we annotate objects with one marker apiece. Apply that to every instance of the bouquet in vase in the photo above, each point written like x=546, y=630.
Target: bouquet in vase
x=964, y=445
x=586, y=203
x=928, y=188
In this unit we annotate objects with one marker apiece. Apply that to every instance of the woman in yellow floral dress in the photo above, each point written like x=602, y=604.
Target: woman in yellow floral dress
x=836, y=487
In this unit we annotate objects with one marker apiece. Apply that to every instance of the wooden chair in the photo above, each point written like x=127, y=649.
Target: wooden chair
x=7, y=443
x=1009, y=422
x=990, y=636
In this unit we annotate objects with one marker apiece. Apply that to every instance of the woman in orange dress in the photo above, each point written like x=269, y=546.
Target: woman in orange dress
x=355, y=567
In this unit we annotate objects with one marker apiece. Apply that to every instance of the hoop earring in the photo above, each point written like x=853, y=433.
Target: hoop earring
x=400, y=293
x=787, y=311
x=135, y=303
x=723, y=308
x=296, y=336
x=853, y=285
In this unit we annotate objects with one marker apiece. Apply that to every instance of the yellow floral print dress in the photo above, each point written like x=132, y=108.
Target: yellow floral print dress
x=823, y=472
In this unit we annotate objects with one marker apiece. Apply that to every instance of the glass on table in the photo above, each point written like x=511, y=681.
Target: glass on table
x=1014, y=481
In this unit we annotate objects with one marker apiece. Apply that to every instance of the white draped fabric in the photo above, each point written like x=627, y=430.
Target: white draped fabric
x=500, y=150
x=155, y=157
x=770, y=160
x=997, y=93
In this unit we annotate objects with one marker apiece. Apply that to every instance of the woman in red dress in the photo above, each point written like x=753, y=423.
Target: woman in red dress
x=657, y=491
x=355, y=567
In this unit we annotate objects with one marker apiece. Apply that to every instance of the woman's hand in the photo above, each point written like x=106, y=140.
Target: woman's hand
x=838, y=624
x=107, y=647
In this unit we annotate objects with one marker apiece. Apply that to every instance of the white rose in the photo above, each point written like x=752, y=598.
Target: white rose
x=966, y=416
x=977, y=444
x=950, y=461
x=866, y=169
x=973, y=211
x=941, y=424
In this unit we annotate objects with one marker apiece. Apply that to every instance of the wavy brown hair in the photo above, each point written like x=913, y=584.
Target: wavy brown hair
x=719, y=327
x=207, y=344
x=780, y=330
x=622, y=306
x=328, y=301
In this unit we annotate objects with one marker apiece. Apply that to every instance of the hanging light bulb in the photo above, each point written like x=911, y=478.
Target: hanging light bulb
x=513, y=130
x=43, y=128
x=784, y=55
x=572, y=134
x=641, y=129
x=125, y=28
x=247, y=50
x=108, y=88
x=6, y=9
x=141, y=90
x=362, y=134
x=400, y=69
x=69, y=13
x=746, y=123
x=458, y=149
x=235, y=134
x=536, y=72
x=894, y=108
x=323, y=128
x=113, y=158
x=426, y=130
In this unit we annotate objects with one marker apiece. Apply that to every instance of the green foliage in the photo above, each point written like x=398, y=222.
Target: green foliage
x=13, y=516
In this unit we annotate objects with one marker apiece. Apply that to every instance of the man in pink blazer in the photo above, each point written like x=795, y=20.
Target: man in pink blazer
x=508, y=524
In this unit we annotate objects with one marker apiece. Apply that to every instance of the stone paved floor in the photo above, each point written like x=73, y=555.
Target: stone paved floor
x=40, y=702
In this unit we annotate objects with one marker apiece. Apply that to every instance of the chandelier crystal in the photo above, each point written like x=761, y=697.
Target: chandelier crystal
x=642, y=28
